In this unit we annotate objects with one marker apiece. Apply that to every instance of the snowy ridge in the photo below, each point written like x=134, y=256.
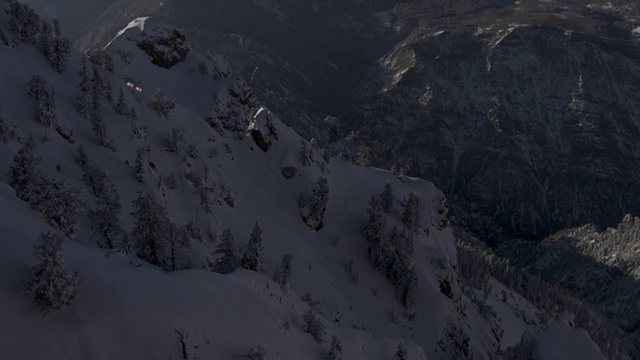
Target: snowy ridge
x=194, y=138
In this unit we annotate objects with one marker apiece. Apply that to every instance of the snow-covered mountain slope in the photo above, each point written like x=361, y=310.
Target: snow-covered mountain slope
x=602, y=267
x=191, y=159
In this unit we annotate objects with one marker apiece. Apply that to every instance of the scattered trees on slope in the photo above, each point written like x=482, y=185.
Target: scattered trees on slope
x=157, y=240
x=391, y=253
x=60, y=203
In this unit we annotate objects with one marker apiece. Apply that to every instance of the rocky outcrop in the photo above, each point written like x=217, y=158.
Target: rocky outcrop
x=165, y=48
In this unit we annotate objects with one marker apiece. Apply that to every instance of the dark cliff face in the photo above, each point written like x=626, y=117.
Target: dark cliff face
x=529, y=129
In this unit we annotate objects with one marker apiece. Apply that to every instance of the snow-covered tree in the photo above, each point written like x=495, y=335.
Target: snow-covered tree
x=526, y=349
x=252, y=257
x=96, y=179
x=3, y=39
x=139, y=167
x=386, y=198
x=106, y=217
x=58, y=202
x=107, y=212
x=82, y=158
x=314, y=217
x=314, y=325
x=82, y=105
x=362, y=156
x=229, y=257
x=259, y=353
x=306, y=153
x=24, y=169
x=335, y=351
x=99, y=87
x=161, y=104
x=37, y=86
x=100, y=130
x=45, y=40
x=401, y=352
x=151, y=229
x=178, y=240
x=24, y=22
x=102, y=58
x=84, y=84
x=173, y=140
x=375, y=235
x=455, y=344
x=60, y=49
x=4, y=130
x=412, y=212
x=121, y=104
x=47, y=108
x=397, y=267
x=409, y=290
x=203, y=192
x=284, y=271
x=49, y=281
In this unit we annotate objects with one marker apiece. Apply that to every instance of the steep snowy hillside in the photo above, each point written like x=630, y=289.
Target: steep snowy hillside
x=199, y=225
x=602, y=267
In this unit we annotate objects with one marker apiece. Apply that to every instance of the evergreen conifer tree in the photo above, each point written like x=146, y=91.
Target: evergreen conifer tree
x=150, y=232
x=121, y=105
x=24, y=170
x=412, y=213
x=313, y=325
x=44, y=43
x=48, y=281
x=386, y=198
x=82, y=159
x=252, y=258
x=314, y=219
x=401, y=352
x=47, y=107
x=284, y=271
x=24, y=22
x=37, y=86
x=60, y=49
x=178, y=240
x=335, y=352
x=229, y=259
x=139, y=166
x=375, y=235
x=58, y=202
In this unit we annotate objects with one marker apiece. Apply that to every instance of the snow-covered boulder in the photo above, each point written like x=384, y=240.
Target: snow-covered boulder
x=164, y=44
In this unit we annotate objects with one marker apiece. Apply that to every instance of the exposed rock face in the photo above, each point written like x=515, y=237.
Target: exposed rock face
x=289, y=171
x=164, y=45
x=165, y=48
x=262, y=129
